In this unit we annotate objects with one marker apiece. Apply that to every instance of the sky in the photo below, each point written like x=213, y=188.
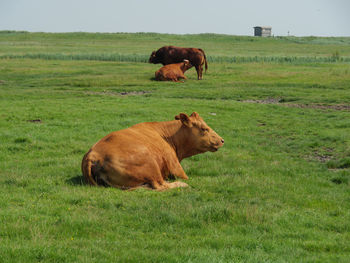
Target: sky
x=232, y=17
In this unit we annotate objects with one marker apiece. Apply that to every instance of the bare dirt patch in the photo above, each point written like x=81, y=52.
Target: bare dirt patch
x=320, y=157
x=124, y=93
x=134, y=93
x=323, y=155
x=323, y=107
x=35, y=121
x=265, y=101
x=280, y=102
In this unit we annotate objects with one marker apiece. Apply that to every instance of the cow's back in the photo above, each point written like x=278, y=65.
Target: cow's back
x=172, y=54
x=119, y=142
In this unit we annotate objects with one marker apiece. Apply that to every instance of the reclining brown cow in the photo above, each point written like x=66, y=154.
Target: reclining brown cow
x=171, y=54
x=145, y=154
x=173, y=72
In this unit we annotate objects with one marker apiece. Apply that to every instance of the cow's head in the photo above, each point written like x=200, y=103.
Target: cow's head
x=200, y=136
x=154, y=58
x=186, y=65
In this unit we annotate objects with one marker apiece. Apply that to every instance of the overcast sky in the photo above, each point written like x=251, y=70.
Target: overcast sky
x=298, y=17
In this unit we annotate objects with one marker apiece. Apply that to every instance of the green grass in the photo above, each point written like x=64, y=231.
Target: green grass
x=278, y=191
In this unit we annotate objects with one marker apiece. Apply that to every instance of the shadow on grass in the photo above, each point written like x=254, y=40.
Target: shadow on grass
x=77, y=180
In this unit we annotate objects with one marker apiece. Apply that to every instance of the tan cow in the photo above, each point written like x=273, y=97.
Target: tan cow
x=173, y=72
x=145, y=154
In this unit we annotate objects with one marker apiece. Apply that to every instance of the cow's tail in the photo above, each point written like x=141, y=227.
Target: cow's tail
x=86, y=167
x=205, y=60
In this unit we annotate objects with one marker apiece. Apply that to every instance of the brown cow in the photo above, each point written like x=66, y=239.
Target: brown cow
x=146, y=154
x=173, y=72
x=170, y=54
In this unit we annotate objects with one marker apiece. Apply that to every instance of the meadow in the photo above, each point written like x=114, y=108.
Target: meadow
x=277, y=191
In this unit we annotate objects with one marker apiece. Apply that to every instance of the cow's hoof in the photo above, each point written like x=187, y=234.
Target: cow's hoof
x=179, y=184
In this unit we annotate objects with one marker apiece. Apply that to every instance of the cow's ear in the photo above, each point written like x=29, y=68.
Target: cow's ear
x=195, y=115
x=184, y=119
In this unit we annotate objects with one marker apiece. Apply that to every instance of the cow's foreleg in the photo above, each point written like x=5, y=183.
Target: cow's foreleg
x=181, y=77
x=164, y=186
x=177, y=184
x=177, y=171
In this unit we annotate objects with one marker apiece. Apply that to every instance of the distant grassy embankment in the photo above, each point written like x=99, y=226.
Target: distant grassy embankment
x=137, y=47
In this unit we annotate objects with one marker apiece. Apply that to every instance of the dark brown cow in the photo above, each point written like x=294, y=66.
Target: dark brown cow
x=145, y=154
x=173, y=72
x=170, y=54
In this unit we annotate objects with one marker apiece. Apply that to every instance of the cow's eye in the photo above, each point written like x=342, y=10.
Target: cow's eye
x=204, y=129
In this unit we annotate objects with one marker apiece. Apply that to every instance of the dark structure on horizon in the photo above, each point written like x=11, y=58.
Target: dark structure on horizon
x=262, y=31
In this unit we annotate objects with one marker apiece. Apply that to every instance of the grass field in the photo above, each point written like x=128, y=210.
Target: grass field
x=278, y=191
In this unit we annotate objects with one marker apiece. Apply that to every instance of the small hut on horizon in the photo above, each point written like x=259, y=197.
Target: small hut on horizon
x=262, y=31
